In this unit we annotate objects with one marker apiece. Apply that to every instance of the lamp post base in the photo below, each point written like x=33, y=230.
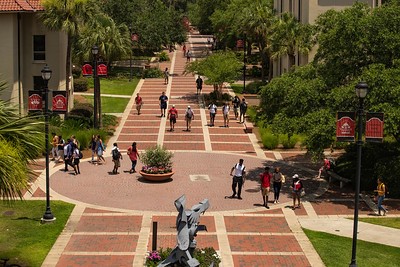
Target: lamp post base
x=48, y=217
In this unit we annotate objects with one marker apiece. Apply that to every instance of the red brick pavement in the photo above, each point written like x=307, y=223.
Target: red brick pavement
x=95, y=260
x=262, y=260
x=109, y=224
x=102, y=243
x=256, y=224
x=261, y=243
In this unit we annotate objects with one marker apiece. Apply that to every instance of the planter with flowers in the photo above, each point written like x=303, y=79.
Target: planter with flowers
x=157, y=164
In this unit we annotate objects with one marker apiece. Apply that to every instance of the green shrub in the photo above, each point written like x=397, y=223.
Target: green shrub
x=254, y=87
x=163, y=56
x=109, y=121
x=82, y=110
x=80, y=85
x=156, y=159
x=77, y=122
x=288, y=142
x=269, y=140
x=216, y=98
x=153, y=73
x=76, y=72
x=254, y=71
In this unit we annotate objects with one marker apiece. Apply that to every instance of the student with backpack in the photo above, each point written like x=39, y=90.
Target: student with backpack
x=172, y=115
x=76, y=155
x=381, y=191
x=199, y=84
x=189, y=116
x=213, y=111
x=166, y=76
x=116, y=157
x=297, y=188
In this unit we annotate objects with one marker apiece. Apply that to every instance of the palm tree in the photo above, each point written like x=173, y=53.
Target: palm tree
x=21, y=140
x=290, y=36
x=67, y=16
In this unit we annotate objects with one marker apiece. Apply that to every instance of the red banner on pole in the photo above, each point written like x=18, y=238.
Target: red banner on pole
x=102, y=69
x=87, y=70
x=60, y=102
x=35, y=101
x=374, y=127
x=239, y=44
x=345, y=126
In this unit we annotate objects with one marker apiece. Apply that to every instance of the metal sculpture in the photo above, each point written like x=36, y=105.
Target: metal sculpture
x=187, y=225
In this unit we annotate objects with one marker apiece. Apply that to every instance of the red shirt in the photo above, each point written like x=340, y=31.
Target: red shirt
x=138, y=100
x=266, y=179
x=132, y=154
x=173, y=113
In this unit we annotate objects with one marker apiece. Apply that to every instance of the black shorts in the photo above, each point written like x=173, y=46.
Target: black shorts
x=172, y=119
x=212, y=115
x=163, y=105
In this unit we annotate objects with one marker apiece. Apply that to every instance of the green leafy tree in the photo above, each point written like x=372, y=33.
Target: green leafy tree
x=67, y=16
x=21, y=140
x=200, y=13
x=219, y=68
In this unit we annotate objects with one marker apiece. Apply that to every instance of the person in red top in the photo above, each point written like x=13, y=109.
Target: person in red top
x=172, y=115
x=326, y=167
x=133, y=155
x=139, y=103
x=265, y=185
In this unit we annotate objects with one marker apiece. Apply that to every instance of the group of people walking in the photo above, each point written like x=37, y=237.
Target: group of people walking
x=276, y=179
x=239, y=108
x=66, y=151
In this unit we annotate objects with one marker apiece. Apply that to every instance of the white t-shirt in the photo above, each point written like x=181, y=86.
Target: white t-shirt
x=225, y=109
x=239, y=169
x=212, y=108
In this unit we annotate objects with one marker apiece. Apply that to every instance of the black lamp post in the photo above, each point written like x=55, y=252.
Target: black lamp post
x=46, y=75
x=130, y=56
x=244, y=63
x=95, y=51
x=361, y=92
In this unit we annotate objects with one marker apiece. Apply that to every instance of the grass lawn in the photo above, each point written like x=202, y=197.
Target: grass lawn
x=237, y=88
x=23, y=239
x=336, y=251
x=120, y=86
x=111, y=104
x=388, y=222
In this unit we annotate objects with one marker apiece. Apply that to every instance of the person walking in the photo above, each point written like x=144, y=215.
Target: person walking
x=213, y=111
x=238, y=179
x=116, y=157
x=265, y=185
x=326, y=167
x=133, y=156
x=199, y=84
x=68, y=151
x=188, y=56
x=236, y=103
x=54, y=149
x=297, y=187
x=184, y=50
x=139, y=103
x=189, y=116
x=225, y=113
x=92, y=146
x=166, y=76
x=163, y=103
x=76, y=155
x=172, y=116
x=100, y=150
x=60, y=149
x=243, y=109
x=381, y=190
x=277, y=180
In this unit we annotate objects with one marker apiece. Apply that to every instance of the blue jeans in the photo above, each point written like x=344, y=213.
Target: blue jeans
x=380, y=200
x=277, y=190
x=133, y=164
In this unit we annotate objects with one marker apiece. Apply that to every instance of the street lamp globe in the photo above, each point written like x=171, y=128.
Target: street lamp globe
x=361, y=89
x=95, y=50
x=46, y=73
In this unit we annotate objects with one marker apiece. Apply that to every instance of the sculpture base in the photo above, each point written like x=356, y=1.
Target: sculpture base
x=159, y=177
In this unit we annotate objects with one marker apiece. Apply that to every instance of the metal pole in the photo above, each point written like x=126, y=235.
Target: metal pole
x=95, y=97
x=360, y=112
x=99, y=103
x=244, y=64
x=154, y=243
x=48, y=216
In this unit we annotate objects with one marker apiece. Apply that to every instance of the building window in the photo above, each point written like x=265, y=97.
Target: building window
x=39, y=47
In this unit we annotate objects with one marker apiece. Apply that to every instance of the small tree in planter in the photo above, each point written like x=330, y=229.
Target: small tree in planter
x=156, y=160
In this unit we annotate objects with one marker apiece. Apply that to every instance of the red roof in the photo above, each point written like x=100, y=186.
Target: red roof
x=20, y=5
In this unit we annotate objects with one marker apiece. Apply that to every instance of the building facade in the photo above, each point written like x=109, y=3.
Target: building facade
x=26, y=47
x=307, y=11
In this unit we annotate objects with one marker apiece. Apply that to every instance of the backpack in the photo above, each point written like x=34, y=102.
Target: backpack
x=115, y=154
x=80, y=155
x=243, y=105
x=189, y=114
x=386, y=190
x=331, y=164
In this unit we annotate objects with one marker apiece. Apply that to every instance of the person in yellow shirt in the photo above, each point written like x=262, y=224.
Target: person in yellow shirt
x=381, y=190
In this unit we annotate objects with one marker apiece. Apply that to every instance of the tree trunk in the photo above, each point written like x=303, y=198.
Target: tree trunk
x=271, y=70
x=292, y=61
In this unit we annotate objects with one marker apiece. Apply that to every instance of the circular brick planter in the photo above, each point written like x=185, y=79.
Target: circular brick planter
x=156, y=177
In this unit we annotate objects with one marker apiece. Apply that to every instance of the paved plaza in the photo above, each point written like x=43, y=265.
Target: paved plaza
x=111, y=224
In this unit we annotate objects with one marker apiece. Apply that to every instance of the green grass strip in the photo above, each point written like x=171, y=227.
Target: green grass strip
x=388, y=222
x=336, y=251
x=23, y=238
x=111, y=104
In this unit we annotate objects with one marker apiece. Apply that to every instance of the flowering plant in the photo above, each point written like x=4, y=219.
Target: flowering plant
x=156, y=160
x=205, y=256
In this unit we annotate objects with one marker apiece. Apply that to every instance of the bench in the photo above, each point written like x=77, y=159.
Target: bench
x=248, y=127
x=335, y=176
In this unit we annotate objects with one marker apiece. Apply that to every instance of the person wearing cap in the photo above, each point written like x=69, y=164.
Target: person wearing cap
x=189, y=116
x=265, y=185
x=172, y=115
x=238, y=178
x=297, y=187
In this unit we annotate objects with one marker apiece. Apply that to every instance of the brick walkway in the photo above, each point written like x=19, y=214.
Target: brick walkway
x=111, y=224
